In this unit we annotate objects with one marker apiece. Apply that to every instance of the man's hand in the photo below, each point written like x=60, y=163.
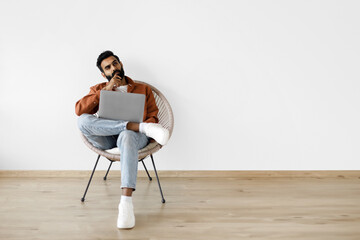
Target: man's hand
x=113, y=83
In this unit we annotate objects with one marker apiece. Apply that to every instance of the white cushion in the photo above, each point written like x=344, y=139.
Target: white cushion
x=114, y=150
x=148, y=147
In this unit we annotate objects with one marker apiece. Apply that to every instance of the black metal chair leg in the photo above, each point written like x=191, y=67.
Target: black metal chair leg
x=150, y=178
x=111, y=162
x=83, y=198
x=162, y=196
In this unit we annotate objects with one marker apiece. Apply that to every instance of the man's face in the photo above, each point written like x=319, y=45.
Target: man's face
x=112, y=66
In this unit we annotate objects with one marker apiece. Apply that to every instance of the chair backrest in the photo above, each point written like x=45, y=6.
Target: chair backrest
x=165, y=115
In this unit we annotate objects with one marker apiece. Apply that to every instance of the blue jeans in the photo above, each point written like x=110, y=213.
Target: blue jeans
x=106, y=134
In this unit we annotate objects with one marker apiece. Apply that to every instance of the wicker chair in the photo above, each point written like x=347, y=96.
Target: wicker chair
x=166, y=119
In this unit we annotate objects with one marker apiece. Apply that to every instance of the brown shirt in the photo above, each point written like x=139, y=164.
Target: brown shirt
x=90, y=103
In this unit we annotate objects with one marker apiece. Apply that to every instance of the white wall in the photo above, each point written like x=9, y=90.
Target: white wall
x=254, y=85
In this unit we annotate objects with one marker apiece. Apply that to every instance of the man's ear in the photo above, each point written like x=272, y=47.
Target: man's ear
x=103, y=74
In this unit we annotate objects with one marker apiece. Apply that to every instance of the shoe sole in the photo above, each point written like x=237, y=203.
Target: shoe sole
x=125, y=228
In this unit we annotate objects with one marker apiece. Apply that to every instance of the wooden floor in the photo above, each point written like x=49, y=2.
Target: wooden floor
x=195, y=208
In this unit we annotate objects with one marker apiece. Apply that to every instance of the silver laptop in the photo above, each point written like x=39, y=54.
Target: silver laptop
x=121, y=106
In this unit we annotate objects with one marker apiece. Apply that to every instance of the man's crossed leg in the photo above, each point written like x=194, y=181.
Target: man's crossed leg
x=129, y=138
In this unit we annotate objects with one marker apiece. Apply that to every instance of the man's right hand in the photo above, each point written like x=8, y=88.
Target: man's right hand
x=113, y=83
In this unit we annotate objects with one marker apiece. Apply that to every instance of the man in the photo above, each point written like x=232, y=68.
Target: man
x=129, y=137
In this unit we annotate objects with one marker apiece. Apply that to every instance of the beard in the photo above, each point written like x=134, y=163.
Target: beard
x=121, y=74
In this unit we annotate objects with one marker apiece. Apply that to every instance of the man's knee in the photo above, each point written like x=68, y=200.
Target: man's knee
x=83, y=121
x=127, y=137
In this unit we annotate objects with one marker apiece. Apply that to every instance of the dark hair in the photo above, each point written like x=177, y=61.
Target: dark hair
x=104, y=55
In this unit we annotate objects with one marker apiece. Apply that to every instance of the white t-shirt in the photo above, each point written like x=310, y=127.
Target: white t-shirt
x=122, y=88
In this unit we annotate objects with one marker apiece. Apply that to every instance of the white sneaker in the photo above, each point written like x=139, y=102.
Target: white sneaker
x=157, y=132
x=126, y=218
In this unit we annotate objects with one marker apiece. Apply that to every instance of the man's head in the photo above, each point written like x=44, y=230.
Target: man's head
x=109, y=65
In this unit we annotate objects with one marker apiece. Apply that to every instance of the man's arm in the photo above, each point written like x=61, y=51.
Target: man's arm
x=152, y=109
x=90, y=103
